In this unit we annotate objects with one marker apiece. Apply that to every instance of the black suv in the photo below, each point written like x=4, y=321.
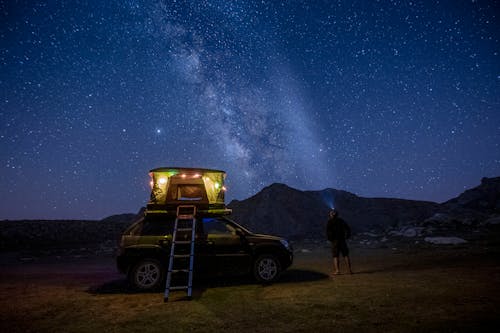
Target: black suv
x=222, y=247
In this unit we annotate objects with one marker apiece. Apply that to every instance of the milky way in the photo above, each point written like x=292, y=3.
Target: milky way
x=380, y=98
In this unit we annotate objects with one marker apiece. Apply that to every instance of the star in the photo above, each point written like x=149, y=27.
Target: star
x=371, y=98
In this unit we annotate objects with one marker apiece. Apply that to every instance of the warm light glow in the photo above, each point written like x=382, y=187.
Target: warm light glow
x=151, y=184
x=211, y=181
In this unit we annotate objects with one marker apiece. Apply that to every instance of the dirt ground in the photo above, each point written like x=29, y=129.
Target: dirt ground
x=431, y=289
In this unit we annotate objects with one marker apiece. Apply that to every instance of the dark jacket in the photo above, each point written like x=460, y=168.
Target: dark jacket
x=337, y=229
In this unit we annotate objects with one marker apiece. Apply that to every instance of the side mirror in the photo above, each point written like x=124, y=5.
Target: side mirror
x=163, y=241
x=240, y=232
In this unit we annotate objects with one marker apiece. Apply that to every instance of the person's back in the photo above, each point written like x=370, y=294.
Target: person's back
x=338, y=229
x=337, y=232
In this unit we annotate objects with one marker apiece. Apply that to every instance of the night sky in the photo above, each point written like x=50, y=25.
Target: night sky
x=380, y=98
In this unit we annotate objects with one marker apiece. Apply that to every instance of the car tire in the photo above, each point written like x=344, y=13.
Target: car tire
x=147, y=275
x=267, y=268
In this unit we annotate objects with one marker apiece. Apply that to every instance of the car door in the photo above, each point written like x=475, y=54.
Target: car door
x=203, y=254
x=230, y=249
x=157, y=231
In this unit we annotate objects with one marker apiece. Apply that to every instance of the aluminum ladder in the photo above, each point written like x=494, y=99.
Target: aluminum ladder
x=182, y=251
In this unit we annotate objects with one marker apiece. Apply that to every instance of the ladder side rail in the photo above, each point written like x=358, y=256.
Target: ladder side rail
x=171, y=261
x=191, y=258
x=186, y=217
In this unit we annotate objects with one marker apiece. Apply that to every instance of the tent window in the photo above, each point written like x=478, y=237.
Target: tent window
x=190, y=192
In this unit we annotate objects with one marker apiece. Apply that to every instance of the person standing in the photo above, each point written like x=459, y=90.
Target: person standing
x=337, y=232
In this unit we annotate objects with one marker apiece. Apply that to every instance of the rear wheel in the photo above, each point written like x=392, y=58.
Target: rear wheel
x=147, y=274
x=267, y=268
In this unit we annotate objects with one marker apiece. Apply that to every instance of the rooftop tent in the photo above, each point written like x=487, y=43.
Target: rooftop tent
x=171, y=187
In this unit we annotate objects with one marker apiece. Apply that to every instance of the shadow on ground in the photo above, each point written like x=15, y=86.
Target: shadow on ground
x=121, y=286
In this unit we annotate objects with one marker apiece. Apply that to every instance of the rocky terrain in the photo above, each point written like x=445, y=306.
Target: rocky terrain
x=73, y=236
x=297, y=215
x=285, y=211
x=418, y=266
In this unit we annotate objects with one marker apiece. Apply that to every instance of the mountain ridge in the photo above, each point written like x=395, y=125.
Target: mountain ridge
x=298, y=215
x=286, y=211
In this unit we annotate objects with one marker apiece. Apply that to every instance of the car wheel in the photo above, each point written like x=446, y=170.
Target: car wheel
x=147, y=274
x=267, y=268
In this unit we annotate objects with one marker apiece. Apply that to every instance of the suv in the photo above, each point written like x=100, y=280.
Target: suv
x=222, y=247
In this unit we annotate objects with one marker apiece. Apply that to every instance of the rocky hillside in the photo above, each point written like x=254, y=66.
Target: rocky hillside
x=484, y=198
x=285, y=211
x=48, y=234
x=298, y=215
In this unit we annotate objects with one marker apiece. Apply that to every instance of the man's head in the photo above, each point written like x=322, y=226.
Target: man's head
x=333, y=213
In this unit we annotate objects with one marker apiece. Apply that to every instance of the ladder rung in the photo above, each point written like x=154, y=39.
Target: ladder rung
x=185, y=217
x=179, y=287
x=185, y=222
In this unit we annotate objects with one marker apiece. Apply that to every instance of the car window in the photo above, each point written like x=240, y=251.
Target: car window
x=216, y=226
x=157, y=226
x=134, y=230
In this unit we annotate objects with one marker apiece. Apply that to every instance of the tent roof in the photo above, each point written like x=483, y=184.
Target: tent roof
x=180, y=169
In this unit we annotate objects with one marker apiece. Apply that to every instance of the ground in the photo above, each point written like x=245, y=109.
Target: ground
x=405, y=289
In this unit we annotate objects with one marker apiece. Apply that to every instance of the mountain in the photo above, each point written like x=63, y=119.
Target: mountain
x=298, y=215
x=281, y=210
x=127, y=218
x=484, y=198
x=285, y=211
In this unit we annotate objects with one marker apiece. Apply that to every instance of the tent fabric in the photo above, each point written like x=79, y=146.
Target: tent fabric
x=187, y=184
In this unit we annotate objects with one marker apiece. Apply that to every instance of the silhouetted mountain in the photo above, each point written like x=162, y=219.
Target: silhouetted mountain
x=125, y=218
x=484, y=198
x=282, y=210
x=285, y=211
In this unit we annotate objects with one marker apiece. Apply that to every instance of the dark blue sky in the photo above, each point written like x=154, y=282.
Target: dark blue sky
x=380, y=98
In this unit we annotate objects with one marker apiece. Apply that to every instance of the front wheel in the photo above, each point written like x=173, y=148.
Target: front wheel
x=147, y=275
x=267, y=268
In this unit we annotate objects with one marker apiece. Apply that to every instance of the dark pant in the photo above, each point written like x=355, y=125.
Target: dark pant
x=339, y=246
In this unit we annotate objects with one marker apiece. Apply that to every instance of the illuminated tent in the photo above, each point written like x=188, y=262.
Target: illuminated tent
x=171, y=187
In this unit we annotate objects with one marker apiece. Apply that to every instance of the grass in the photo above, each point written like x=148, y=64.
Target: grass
x=454, y=290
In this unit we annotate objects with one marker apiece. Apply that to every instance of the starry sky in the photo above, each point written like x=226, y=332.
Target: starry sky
x=380, y=98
